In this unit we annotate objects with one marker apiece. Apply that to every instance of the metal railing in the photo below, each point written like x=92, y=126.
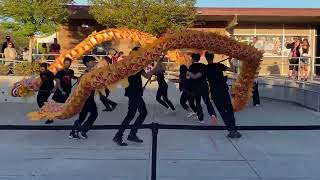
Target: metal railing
x=304, y=103
x=278, y=71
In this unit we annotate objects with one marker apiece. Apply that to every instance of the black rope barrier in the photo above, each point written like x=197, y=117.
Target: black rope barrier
x=155, y=130
x=65, y=127
x=161, y=126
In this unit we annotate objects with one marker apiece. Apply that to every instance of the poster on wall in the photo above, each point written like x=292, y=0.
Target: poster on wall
x=244, y=39
x=271, y=45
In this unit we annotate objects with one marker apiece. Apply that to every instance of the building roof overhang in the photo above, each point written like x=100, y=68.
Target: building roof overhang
x=250, y=15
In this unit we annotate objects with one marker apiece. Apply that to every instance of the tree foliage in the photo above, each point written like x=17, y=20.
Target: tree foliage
x=30, y=17
x=153, y=16
x=19, y=40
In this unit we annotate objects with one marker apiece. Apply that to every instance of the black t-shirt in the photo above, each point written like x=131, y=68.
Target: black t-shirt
x=135, y=85
x=65, y=77
x=184, y=83
x=90, y=100
x=160, y=79
x=215, y=75
x=47, y=78
x=200, y=82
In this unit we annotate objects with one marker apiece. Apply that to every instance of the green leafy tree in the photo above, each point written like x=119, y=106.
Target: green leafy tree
x=153, y=16
x=30, y=17
x=19, y=40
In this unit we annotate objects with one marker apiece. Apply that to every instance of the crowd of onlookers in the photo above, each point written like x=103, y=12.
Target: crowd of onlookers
x=299, y=59
x=9, y=52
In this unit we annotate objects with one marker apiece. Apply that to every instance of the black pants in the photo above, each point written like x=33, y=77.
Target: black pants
x=223, y=103
x=89, y=107
x=203, y=93
x=163, y=92
x=42, y=97
x=135, y=103
x=255, y=94
x=107, y=102
x=183, y=101
x=58, y=97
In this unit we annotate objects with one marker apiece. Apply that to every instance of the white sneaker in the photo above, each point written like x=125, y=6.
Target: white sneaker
x=201, y=122
x=190, y=114
x=195, y=118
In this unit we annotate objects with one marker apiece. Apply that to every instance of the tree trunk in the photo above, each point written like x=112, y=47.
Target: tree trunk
x=30, y=50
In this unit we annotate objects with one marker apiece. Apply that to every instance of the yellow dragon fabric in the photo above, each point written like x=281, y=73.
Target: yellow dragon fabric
x=151, y=50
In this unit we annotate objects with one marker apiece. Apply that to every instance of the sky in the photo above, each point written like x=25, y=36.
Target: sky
x=252, y=3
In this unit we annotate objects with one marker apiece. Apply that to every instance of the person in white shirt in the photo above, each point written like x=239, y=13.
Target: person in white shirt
x=10, y=54
x=25, y=54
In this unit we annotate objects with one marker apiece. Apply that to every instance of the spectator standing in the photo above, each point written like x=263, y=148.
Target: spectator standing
x=294, y=56
x=54, y=49
x=5, y=44
x=25, y=54
x=304, y=62
x=10, y=55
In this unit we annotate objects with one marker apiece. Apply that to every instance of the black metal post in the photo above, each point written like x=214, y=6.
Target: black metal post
x=155, y=130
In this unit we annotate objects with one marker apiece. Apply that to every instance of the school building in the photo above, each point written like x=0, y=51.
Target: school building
x=272, y=27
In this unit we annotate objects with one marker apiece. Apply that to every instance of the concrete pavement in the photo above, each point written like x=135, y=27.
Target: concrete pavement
x=182, y=155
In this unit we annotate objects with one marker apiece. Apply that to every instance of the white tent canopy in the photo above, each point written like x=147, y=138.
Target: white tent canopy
x=47, y=39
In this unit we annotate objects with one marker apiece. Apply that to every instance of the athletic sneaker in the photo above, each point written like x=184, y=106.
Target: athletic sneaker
x=190, y=114
x=134, y=138
x=73, y=136
x=201, y=121
x=49, y=121
x=107, y=109
x=171, y=110
x=114, y=106
x=83, y=135
x=119, y=141
x=234, y=135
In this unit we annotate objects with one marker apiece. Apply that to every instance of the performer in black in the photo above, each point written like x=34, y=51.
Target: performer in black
x=162, y=93
x=185, y=88
x=109, y=105
x=80, y=129
x=197, y=72
x=63, y=86
x=47, y=84
x=255, y=94
x=220, y=94
x=134, y=92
